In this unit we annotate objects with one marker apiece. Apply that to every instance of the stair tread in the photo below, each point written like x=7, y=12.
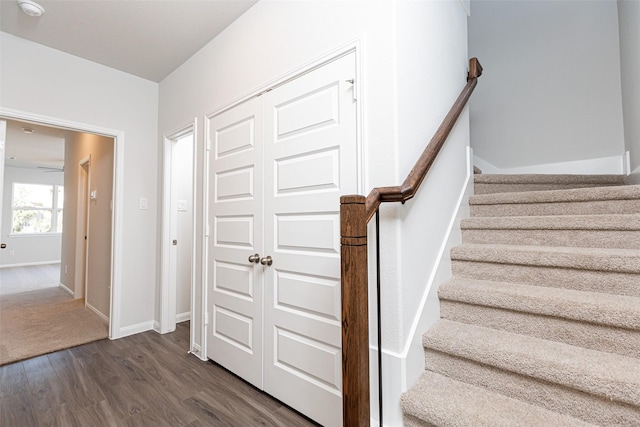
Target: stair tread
x=603, y=259
x=440, y=400
x=548, y=179
x=623, y=192
x=608, y=375
x=592, y=307
x=613, y=222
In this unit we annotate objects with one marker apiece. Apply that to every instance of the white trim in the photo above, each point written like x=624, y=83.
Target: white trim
x=195, y=350
x=67, y=290
x=333, y=55
x=204, y=295
x=602, y=165
x=27, y=264
x=32, y=235
x=102, y=317
x=115, y=331
x=634, y=177
x=136, y=329
x=156, y=326
x=183, y=317
x=167, y=286
x=626, y=163
x=194, y=223
x=82, y=227
x=442, y=252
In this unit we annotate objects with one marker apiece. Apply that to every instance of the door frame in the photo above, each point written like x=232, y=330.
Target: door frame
x=117, y=222
x=82, y=228
x=168, y=286
x=354, y=46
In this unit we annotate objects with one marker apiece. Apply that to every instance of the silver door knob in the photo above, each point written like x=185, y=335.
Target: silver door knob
x=254, y=258
x=266, y=260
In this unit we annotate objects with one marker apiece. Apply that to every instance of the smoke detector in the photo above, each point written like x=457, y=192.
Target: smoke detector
x=30, y=7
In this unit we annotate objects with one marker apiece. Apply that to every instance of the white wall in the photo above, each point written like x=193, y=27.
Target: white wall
x=629, y=19
x=551, y=90
x=78, y=147
x=182, y=191
x=27, y=249
x=46, y=82
x=272, y=39
x=414, y=63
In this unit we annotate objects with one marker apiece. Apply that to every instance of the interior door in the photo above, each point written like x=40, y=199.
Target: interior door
x=235, y=206
x=279, y=164
x=310, y=161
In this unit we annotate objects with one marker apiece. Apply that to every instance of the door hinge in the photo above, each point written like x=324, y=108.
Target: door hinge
x=208, y=144
x=354, y=88
x=206, y=319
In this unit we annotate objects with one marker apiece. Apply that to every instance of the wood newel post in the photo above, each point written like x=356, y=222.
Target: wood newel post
x=355, y=312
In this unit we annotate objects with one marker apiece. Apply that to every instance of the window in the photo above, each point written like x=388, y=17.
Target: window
x=37, y=208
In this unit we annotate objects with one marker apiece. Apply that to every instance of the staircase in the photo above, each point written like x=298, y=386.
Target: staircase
x=540, y=323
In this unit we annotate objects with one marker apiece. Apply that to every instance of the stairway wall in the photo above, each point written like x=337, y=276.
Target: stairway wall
x=629, y=18
x=551, y=88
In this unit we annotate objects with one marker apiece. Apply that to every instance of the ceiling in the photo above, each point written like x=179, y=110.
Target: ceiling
x=146, y=38
x=42, y=149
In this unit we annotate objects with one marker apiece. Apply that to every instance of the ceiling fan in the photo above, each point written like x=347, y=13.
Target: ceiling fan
x=49, y=169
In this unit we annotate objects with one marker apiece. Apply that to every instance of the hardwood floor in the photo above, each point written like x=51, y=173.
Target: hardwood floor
x=142, y=380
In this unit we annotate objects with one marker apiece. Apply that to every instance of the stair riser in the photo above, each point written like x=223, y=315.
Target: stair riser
x=572, y=238
x=481, y=188
x=550, y=396
x=596, y=337
x=583, y=280
x=597, y=207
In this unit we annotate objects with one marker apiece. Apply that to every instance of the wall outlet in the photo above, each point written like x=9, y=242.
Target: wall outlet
x=144, y=203
x=12, y=253
x=66, y=268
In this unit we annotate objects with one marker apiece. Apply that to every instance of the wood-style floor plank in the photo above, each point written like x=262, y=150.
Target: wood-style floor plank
x=143, y=380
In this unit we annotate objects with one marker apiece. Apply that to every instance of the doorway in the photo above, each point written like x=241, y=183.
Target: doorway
x=178, y=262
x=108, y=190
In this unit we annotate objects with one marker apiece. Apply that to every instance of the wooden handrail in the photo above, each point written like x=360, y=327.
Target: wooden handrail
x=409, y=187
x=355, y=213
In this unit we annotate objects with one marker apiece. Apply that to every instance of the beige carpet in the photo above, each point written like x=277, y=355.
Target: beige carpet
x=540, y=323
x=43, y=321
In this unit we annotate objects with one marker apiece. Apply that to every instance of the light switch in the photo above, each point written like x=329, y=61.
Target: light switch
x=144, y=203
x=182, y=205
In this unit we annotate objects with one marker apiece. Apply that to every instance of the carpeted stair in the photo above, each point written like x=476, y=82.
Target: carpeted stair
x=540, y=323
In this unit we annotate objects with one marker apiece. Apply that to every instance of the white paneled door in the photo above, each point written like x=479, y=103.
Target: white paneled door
x=290, y=154
x=235, y=289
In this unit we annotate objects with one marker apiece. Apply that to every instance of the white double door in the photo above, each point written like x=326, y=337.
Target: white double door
x=279, y=163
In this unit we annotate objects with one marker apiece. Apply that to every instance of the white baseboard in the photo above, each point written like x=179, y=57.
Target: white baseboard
x=28, y=264
x=104, y=318
x=393, y=372
x=401, y=370
x=69, y=291
x=612, y=165
x=634, y=177
x=134, y=329
x=183, y=317
x=156, y=326
x=197, y=351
